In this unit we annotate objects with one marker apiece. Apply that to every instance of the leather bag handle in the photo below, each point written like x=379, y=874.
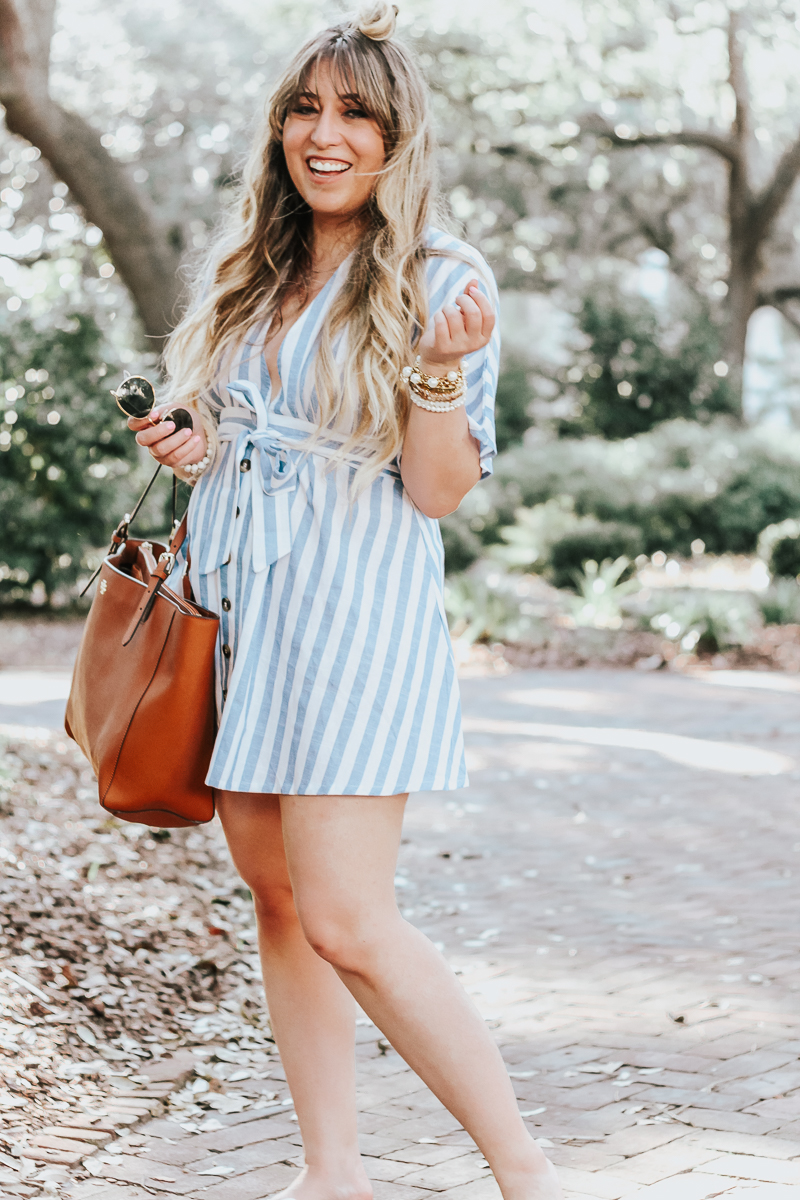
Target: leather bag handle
x=163, y=569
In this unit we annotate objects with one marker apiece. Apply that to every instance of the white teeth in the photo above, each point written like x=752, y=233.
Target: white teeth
x=328, y=168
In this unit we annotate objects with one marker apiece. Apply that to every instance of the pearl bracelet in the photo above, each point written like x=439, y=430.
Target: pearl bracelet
x=439, y=406
x=195, y=469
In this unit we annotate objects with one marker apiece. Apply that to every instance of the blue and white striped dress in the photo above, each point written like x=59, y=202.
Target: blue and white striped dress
x=335, y=673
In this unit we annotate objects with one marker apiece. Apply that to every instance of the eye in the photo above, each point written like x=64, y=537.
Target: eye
x=357, y=113
x=304, y=109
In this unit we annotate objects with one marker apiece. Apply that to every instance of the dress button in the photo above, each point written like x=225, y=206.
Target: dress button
x=238, y=510
x=226, y=604
x=244, y=465
x=226, y=650
x=227, y=560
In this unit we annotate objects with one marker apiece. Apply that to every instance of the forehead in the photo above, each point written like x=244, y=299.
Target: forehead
x=326, y=78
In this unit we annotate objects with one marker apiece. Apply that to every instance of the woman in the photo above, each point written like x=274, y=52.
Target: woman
x=321, y=463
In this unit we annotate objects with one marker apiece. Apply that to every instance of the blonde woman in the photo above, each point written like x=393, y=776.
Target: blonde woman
x=320, y=470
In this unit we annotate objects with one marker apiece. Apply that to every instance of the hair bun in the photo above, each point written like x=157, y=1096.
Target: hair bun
x=377, y=21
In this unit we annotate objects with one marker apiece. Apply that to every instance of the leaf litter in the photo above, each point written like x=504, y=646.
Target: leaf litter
x=119, y=945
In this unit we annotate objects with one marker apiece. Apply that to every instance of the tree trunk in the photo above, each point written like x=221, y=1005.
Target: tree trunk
x=137, y=241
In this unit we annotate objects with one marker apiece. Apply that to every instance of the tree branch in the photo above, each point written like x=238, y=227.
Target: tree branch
x=725, y=147
x=737, y=77
x=769, y=202
x=136, y=240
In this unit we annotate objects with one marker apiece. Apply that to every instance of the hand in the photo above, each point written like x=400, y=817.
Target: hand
x=167, y=447
x=458, y=329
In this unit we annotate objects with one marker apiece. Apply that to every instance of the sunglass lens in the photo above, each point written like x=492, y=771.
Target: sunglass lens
x=135, y=396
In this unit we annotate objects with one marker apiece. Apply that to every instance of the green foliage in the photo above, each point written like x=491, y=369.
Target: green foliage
x=65, y=454
x=638, y=371
x=601, y=591
x=779, y=547
x=706, y=621
x=780, y=603
x=552, y=539
x=598, y=540
x=535, y=530
x=514, y=396
x=785, y=558
x=492, y=606
x=676, y=483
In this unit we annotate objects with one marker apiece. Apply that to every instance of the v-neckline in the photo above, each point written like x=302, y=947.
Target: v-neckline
x=273, y=392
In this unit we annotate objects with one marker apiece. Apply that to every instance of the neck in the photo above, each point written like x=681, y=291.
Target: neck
x=334, y=237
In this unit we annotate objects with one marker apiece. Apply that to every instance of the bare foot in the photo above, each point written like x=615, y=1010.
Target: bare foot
x=314, y=1185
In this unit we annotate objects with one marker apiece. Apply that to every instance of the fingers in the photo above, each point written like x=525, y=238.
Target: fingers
x=472, y=316
x=464, y=326
x=488, y=317
x=191, y=452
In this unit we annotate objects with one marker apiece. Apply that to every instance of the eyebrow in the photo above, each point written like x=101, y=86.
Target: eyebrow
x=350, y=97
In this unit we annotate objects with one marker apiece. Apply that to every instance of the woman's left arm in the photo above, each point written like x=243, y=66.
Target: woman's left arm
x=440, y=462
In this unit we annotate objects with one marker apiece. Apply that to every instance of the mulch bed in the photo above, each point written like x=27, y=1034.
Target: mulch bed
x=119, y=945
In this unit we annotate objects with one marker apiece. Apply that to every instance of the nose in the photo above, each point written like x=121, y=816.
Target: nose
x=326, y=129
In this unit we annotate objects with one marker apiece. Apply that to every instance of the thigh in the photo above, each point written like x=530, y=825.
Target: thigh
x=252, y=825
x=342, y=854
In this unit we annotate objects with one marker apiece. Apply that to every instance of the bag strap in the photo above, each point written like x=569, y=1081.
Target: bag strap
x=163, y=569
x=120, y=534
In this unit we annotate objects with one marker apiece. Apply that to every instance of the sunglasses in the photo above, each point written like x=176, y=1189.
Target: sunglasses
x=136, y=398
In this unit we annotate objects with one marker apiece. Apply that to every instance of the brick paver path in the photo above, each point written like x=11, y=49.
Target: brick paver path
x=619, y=891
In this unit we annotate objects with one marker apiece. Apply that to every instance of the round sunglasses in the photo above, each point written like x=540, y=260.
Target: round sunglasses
x=136, y=398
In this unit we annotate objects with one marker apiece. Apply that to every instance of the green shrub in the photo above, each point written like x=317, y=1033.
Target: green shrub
x=488, y=605
x=780, y=603
x=779, y=547
x=601, y=590
x=679, y=482
x=640, y=369
x=66, y=456
x=785, y=558
x=599, y=542
x=512, y=404
x=529, y=541
x=704, y=621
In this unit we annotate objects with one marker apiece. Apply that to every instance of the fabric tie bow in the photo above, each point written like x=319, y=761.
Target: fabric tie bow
x=274, y=476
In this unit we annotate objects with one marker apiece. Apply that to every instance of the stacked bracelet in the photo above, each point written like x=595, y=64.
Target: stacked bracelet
x=436, y=393
x=195, y=469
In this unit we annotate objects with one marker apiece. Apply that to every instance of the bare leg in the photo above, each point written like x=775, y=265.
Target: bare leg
x=312, y=1013
x=341, y=852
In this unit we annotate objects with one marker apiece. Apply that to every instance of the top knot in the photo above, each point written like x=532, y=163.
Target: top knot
x=377, y=21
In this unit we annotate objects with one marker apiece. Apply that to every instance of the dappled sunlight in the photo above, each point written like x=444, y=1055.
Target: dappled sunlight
x=530, y=756
x=33, y=687
x=771, y=681
x=690, y=752
x=571, y=700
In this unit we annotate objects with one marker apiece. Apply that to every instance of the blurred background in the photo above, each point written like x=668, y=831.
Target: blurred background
x=628, y=169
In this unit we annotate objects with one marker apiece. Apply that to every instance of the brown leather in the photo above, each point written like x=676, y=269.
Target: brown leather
x=141, y=706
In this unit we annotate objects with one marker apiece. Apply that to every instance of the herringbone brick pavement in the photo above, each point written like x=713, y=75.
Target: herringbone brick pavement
x=618, y=890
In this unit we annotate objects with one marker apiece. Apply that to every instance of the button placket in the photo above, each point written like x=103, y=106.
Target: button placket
x=225, y=630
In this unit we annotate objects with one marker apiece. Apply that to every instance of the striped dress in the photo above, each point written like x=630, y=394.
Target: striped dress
x=335, y=673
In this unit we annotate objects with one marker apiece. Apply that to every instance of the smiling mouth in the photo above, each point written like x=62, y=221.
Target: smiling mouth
x=327, y=168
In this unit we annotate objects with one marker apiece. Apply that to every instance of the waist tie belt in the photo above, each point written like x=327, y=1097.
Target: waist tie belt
x=270, y=450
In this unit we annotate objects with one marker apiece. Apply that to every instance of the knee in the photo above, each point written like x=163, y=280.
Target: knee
x=274, y=905
x=349, y=946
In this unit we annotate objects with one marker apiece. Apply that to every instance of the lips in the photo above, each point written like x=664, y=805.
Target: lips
x=327, y=168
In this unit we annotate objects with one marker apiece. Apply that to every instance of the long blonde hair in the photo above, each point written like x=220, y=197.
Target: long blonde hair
x=263, y=250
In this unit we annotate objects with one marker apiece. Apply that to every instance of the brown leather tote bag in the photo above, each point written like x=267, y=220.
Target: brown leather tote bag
x=141, y=706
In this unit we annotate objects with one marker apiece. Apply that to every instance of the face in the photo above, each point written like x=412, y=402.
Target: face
x=333, y=148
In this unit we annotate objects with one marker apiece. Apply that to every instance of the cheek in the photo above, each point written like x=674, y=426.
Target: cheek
x=371, y=151
x=292, y=143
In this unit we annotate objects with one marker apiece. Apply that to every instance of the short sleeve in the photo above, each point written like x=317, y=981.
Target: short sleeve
x=452, y=264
